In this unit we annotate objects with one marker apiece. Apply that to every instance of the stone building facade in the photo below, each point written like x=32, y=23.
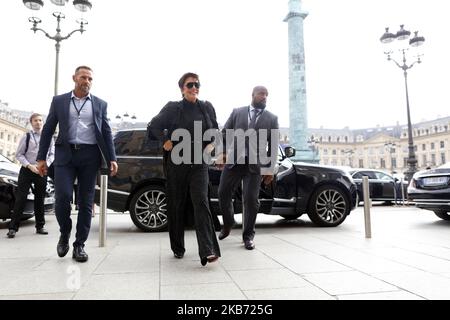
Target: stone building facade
x=384, y=147
x=13, y=125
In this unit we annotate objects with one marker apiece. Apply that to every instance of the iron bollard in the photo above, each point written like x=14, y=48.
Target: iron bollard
x=103, y=207
x=367, y=204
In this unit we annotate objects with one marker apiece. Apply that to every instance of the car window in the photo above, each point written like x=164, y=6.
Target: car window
x=151, y=146
x=369, y=174
x=4, y=159
x=357, y=175
x=128, y=143
x=383, y=176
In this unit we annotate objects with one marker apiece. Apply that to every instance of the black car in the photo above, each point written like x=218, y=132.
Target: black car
x=326, y=194
x=430, y=190
x=382, y=186
x=9, y=173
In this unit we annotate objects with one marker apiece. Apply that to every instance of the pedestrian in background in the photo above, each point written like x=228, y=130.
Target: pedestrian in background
x=26, y=153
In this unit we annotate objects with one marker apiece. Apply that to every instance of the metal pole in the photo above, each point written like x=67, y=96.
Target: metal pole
x=103, y=206
x=403, y=191
x=57, y=46
x=411, y=156
x=243, y=206
x=367, y=204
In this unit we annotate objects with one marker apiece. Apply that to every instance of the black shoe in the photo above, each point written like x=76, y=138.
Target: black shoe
x=41, y=231
x=11, y=233
x=225, y=232
x=249, y=244
x=178, y=255
x=209, y=259
x=62, y=247
x=79, y=254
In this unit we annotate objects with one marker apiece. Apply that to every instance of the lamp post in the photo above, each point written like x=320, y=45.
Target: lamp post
x=81, y=5
x=349, y=153
x=312, y=142
x=387, y=38
x=390, y=146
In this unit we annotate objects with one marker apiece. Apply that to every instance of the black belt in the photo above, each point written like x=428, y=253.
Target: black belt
x=81, y=146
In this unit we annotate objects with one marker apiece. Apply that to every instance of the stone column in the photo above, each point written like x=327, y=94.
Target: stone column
x=298, y=116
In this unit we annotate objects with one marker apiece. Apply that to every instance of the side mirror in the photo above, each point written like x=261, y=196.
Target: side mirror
x=289, y=152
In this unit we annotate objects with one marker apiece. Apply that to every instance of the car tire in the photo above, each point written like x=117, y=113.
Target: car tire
x=148, y=209
x=442, y=214
x=328, y=206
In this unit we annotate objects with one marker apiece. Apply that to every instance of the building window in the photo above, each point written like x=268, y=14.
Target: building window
x=394, y=163
x=442, y=157
x=424, y=160
x=442, y=144
x=382, y=163
x=333, y=152
x=433, y=159
x=361, y=163
x=432, y=146
x=424, y=147
x=325, y=152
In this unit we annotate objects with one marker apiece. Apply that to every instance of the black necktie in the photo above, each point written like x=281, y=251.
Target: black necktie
x=253, y=119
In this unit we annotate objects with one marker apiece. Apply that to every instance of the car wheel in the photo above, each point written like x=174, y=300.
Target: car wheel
x=148, y=209
x=290, y=217
x=328, y=206
x=442, y=214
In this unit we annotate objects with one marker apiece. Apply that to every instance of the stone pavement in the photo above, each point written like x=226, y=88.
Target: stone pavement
x=408, y=257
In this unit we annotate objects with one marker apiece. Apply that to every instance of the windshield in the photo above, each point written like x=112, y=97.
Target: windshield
x=4, y=159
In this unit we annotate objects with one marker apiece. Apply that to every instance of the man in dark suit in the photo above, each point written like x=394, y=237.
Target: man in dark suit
x=249, y=161
x=84, y=142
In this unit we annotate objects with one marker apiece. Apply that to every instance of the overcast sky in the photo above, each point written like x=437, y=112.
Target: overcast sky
x=139, y=49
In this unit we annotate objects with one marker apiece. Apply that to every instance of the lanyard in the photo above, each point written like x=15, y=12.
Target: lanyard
x=34, y=138
x=79, y=110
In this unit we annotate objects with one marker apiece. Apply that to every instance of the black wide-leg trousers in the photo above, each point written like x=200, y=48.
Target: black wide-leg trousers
x=186, y=180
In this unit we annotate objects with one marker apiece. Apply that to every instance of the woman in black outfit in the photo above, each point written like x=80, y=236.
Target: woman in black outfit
x=188, y=179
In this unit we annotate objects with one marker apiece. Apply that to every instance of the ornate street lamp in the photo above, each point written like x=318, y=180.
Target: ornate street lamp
x=312, y=142
x=390, y=147
x=388, y=38
x=81, y=5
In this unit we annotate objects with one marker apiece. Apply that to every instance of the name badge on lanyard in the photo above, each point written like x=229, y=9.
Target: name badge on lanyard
x=79, y=110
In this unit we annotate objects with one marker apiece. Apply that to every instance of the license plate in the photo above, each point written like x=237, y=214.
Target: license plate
x=435, y=181
x=49, y=200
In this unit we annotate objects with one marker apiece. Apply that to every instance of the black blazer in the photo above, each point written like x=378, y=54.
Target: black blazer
x=168, y=119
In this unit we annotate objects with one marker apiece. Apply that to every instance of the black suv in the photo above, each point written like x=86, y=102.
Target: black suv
x=326, y=194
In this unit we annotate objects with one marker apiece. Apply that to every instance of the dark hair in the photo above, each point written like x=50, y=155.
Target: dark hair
x=82, y=67
x=35, y=115
x=185, y=76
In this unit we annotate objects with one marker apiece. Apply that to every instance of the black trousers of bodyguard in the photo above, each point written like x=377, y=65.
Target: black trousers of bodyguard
x=186, y=180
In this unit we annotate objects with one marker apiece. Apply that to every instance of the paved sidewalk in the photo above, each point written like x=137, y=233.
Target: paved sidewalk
x=408, y=257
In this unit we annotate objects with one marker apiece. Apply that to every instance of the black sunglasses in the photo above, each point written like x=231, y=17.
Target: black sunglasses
x=190, y=85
